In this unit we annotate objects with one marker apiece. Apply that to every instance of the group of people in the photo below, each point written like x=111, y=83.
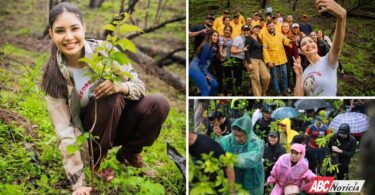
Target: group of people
x=284, y=158
x=225, y=47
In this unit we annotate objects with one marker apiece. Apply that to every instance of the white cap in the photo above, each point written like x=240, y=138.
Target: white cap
x=295, y=25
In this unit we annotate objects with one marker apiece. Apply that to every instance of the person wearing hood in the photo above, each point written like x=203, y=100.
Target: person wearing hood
x=249, y=150
x=291, y=174
x=272, y=151
x=286, y=132
x=342, y=147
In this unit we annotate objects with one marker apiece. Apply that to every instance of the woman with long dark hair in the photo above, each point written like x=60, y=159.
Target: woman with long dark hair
x=222, y=54
x=320, y=77
x=291, y=51
x=198, y=68
x=125, y=116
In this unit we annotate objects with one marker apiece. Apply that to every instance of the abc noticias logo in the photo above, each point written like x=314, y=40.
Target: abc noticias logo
x=327, y=184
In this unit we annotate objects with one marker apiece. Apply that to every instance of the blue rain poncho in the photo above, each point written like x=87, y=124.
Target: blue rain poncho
x=249, y=167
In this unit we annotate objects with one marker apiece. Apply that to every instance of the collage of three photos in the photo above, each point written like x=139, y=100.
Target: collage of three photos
x=187, y=97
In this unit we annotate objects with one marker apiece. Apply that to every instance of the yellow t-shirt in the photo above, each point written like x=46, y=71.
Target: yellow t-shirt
x=253, y=23
x=219, y=25
x=236, y=29
x=242, y=20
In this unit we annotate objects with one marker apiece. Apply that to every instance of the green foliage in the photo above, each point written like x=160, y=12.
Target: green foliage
x=106, y=59
x=208, y=167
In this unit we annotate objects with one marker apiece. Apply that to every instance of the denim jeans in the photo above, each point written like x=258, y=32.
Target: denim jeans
x=275, y=78
x=197, y=76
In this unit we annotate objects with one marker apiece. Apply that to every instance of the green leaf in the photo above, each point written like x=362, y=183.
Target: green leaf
x=44, y=179
x=126, y=74
x=71, y=149
x=86, y=60
x=82, y=138
x=109, y=27
x=121, y=58
x=129, y=28
x=126, y=44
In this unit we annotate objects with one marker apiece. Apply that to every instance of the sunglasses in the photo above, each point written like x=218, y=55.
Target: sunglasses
x=282, y=125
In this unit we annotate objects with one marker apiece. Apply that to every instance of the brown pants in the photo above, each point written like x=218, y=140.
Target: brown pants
x=260, y=77
x=131, y=124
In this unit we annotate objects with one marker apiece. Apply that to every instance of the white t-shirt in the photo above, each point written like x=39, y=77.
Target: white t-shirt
x=256, y=115
x=83, y=85
x=239, y=42
x=320, y=79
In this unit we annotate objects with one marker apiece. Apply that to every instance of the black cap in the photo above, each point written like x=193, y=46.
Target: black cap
x=274, y=17
x=298, y=139
x=344, y=129
x=210, y=17
x=214, y=114
x=273, y=134
x=266, y=108
x=245, y=27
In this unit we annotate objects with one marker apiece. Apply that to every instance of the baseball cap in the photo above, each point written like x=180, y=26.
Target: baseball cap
x=210, y=17
x=273, y=134
x=295, y=25
x=257, y=25
x=245, y=27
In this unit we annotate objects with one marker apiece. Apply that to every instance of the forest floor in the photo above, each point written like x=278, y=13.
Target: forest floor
x=30, y=161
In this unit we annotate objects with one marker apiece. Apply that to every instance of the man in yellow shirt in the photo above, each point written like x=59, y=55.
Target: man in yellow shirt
x=240, y=17
x=256, y=19
x=263, y=28
x=236, y=26
x=275, y=57
x=219, y=22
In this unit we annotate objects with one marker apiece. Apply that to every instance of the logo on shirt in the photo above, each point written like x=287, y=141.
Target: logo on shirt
x=84, y=88
x=310, y=84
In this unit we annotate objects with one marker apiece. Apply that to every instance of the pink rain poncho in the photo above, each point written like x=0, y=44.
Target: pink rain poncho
x=284, y=174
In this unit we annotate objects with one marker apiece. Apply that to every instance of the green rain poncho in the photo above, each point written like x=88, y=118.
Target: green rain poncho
x=249, y=167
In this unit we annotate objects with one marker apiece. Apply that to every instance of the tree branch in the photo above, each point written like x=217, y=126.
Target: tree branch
x=148, y=64
x=151, y=29
x=169, y=55
x=129, y=10
x=172, y=59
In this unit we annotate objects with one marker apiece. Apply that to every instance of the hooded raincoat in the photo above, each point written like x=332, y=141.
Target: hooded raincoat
x=284, y=174
x=289, y=132
x=249, y=167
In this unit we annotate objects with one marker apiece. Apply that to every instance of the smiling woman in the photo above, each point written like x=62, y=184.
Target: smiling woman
x=320, y=77
x=72, y=100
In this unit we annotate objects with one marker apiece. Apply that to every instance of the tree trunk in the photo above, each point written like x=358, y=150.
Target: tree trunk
x=95, y=3
x=295, y=5
x=154, y=52
x=264, y=3
x=158, y=12
x=147, y=11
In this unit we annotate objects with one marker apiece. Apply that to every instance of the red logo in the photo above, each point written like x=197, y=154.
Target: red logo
x=320, y=185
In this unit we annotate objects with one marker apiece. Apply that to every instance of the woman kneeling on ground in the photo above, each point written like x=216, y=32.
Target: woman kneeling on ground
x=125, y=116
